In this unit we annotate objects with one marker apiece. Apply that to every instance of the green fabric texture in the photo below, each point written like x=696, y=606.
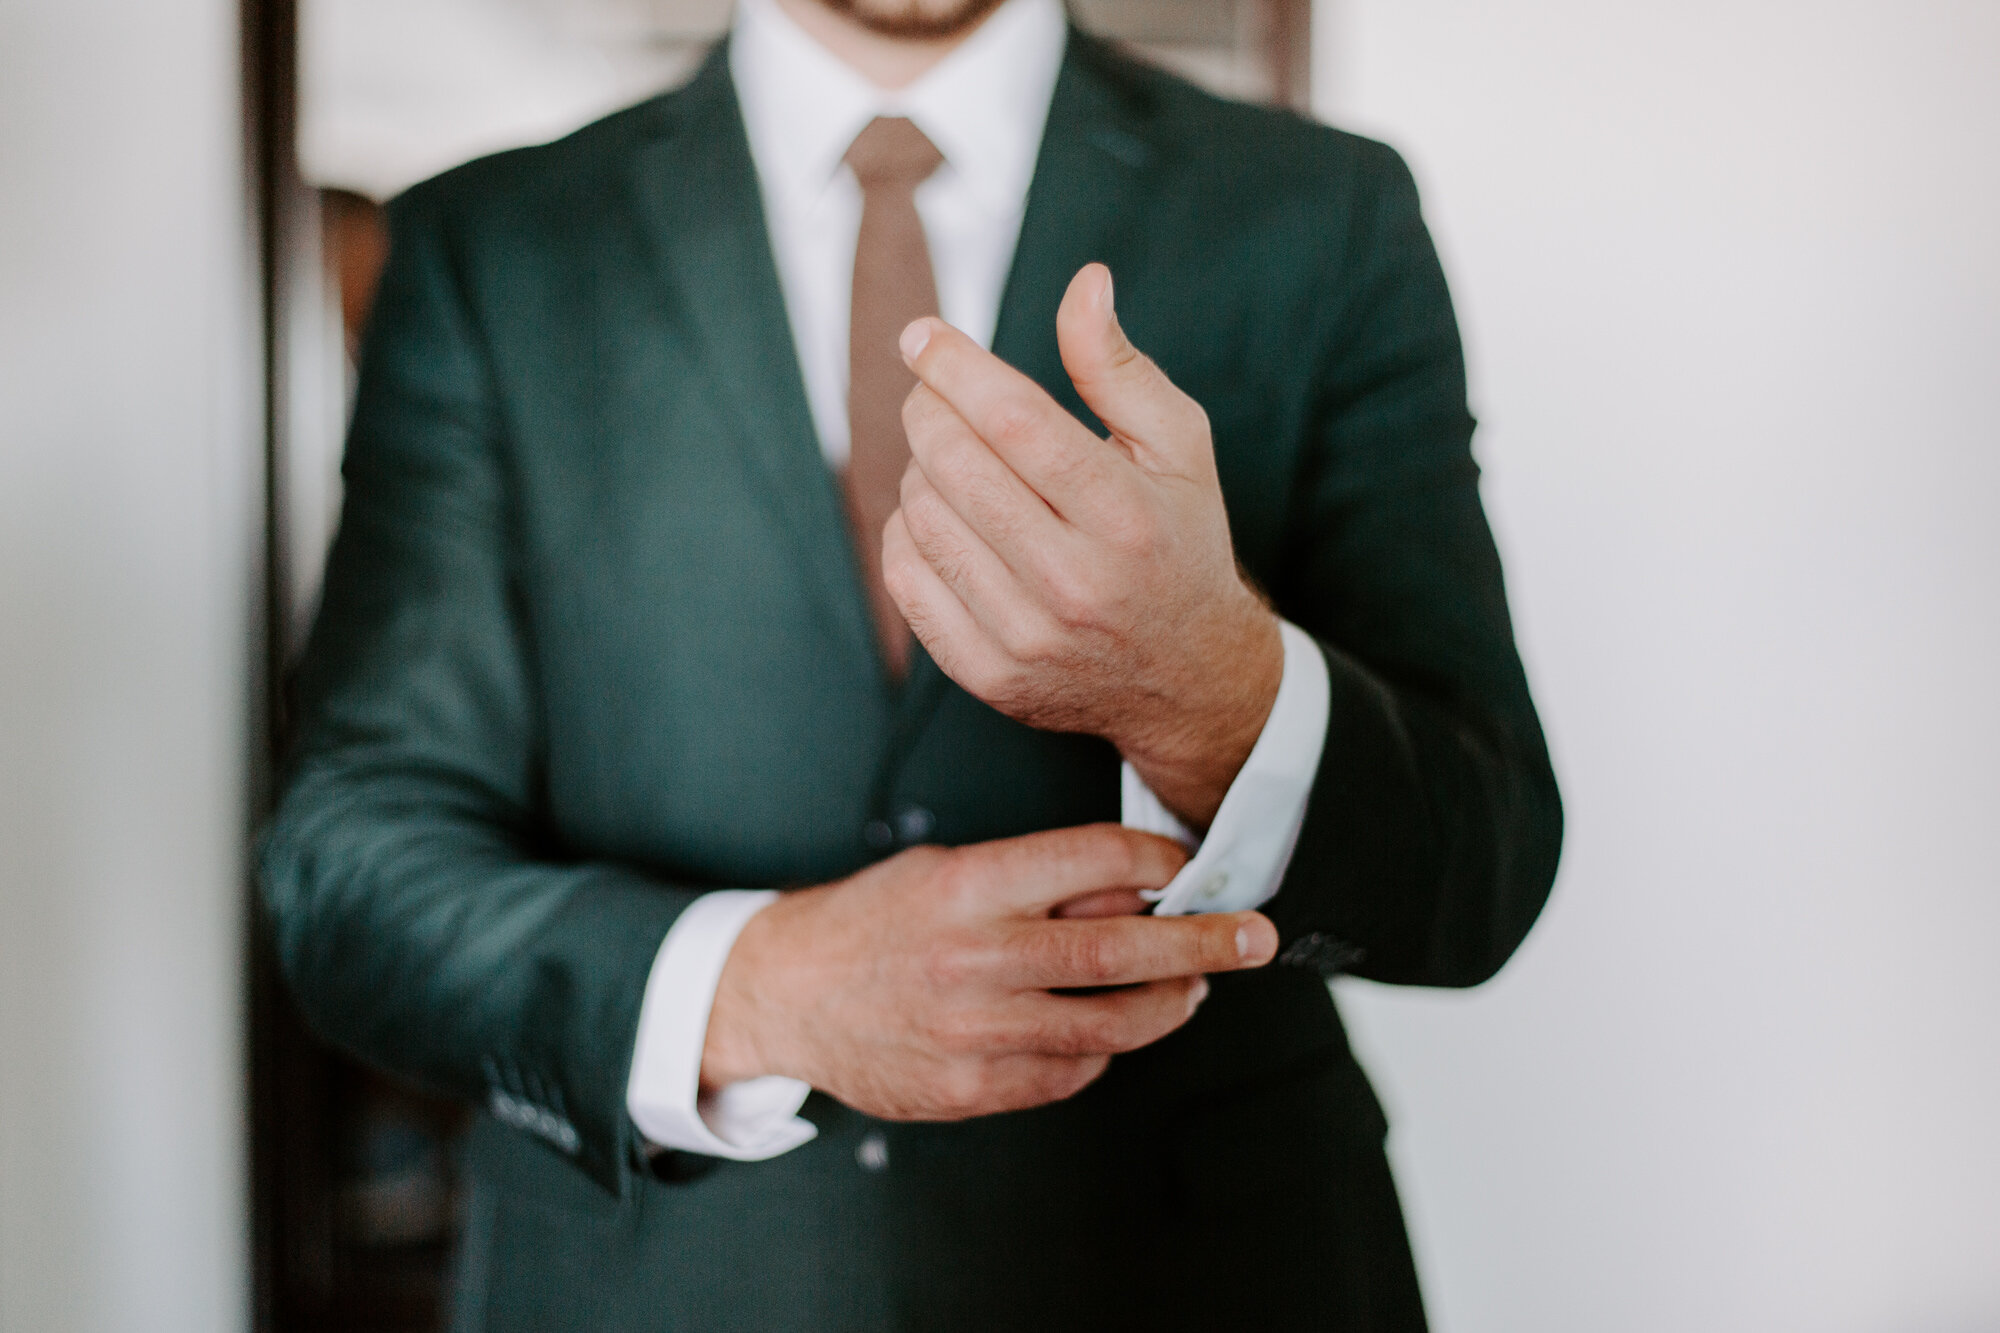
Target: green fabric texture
x=592, y=642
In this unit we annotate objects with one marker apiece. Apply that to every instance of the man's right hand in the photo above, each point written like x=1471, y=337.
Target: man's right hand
x=926, y=987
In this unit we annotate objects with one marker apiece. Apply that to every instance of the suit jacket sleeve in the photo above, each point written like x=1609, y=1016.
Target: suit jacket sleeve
x=424, y=917
x=1430, y=837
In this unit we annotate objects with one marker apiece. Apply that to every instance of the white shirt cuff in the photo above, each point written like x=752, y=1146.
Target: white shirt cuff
x=748, y=1121
x=1241, y=862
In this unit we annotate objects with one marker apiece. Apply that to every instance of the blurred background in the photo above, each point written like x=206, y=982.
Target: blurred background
x=1730, y=286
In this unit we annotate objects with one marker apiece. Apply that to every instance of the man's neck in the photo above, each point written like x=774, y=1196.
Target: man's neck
x=890, y=63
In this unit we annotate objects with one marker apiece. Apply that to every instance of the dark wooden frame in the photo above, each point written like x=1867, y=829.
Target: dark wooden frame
x=305, y=1278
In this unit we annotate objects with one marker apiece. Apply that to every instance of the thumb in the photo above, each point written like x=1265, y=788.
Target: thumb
x=1163, y=428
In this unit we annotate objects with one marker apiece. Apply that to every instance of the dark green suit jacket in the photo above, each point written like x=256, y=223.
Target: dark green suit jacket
x=592, y=643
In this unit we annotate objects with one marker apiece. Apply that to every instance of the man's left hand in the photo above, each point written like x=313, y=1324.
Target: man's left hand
x=1079, y=583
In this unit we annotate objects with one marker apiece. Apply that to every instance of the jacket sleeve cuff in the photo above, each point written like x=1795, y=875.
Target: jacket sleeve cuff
x=1242, y=860
x=746, y=1122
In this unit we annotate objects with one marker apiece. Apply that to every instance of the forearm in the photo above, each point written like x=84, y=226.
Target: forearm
x=431, y=943
x=1190, y=754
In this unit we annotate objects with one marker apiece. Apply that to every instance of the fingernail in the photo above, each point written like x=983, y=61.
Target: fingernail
x=1198, y=994
x=1104, y=301
x=1243, y=942
x=915, y=338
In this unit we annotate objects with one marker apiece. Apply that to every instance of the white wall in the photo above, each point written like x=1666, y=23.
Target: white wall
x=128, y=485
x=1729, y=271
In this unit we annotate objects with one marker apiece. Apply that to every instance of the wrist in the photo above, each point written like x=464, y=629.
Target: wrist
x=1191, y=756
x=741, y=1036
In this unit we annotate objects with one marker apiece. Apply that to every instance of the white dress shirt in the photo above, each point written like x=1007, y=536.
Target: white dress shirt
x=984, y=106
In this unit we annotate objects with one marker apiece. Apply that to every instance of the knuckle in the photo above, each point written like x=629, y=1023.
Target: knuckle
x=981, y=678
x=1125, y=357
x=1013, y=424
x=1218, y=945
x=1077, y=468
x=1118, y=1038
x=1028, y=638
x=1113, y=851
x=991, y=499
x=1132, y=532
x=1142, y=1021
x=958, y=1031
x=1093, y=957
x=993, y=680
x=956, y=463
x=1098, y=1034
x=899, y=575
x=1073, y=595
x=945, y=552
x=921, y=407
x=962, y=1089
x=949, y=967
x=1043, y=1037
x=960, y=880
x=923, y=511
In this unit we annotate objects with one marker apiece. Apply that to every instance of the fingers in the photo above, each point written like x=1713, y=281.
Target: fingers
x=1042, y=1048
x=1010, y=559
x=1112, y=1022
x=1046, y=447
x=935, y=614
x=1120, y=951
x=978, y=1086
x=1104, y=902
x=1101, y=1023
x=1166, y=430
x=977, y=576
x=1006, y=513
x=1029, y=875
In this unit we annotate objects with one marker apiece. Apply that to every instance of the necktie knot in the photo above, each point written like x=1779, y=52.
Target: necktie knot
x=892, y=151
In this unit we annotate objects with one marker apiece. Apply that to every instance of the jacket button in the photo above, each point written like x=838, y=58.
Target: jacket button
x=872, y=1153
x=878, y=835
x=914, y=824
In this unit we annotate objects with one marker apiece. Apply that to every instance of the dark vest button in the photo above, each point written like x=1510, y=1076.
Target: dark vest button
x=914, y=824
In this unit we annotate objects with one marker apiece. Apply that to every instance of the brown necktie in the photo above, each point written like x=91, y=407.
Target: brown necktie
x=892, y=286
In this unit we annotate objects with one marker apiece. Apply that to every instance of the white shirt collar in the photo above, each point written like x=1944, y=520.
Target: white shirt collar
x=984, y=105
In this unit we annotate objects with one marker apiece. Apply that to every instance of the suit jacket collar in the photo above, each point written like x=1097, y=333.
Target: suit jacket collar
x=1087, y=202
x=695, y=191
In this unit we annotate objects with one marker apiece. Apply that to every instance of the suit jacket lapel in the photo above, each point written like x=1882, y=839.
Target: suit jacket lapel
x=695, y=189
x=1084, y=204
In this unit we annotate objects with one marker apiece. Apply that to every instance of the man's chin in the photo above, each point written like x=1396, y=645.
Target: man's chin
x=914, y=21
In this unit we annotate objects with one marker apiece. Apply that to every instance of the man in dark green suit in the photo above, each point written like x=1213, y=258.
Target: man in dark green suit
x=600, y=650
